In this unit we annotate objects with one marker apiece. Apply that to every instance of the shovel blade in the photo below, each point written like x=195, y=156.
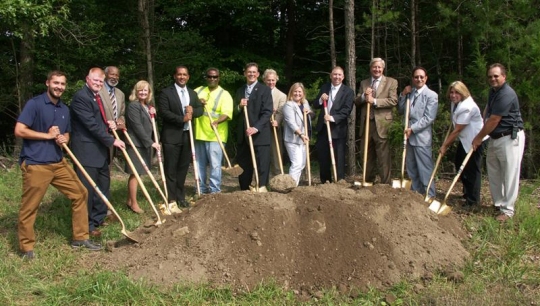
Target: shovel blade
x=406, y=184
x=444, y=210
x=129, y=237
x=435, y=206
x=396, y=183
x=234, y=171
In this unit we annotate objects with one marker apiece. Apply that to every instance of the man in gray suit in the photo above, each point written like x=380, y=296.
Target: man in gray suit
x=423, y=110
x=114, y=100
x=270, y=78
x=381, y=92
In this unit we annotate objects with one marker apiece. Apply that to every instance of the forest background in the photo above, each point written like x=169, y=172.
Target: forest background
x=301, y=39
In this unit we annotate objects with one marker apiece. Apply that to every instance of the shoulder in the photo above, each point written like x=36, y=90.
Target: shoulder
x=430, y=93
x=389, y=80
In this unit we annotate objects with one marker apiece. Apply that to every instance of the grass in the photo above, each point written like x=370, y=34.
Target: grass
x=504, y=267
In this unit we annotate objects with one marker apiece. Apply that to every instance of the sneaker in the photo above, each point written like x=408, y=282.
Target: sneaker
x=28, y=255
x=77, y=244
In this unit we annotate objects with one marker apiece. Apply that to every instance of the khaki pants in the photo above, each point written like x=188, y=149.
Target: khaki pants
x=36, y=180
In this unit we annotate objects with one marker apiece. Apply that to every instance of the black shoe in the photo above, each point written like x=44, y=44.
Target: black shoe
x=77, y=244
x=28, y=255
x=183, y=203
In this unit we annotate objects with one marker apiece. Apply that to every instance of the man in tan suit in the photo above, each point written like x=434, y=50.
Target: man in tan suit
x=270, y=78
x=110, y=92
x=381, y=92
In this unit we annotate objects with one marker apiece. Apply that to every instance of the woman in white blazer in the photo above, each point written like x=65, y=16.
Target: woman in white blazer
x=295, y=136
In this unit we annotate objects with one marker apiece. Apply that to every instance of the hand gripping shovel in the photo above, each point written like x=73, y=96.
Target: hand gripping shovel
x=253, y=159
x=232, y=171
x=166, y=210
x=442, y=208
x=193, y=156
x=439, y=158
x=329, y=132
x=308, y=162
x=366, y=142
x=98, y=191
x=402, y=182
x=132, y=167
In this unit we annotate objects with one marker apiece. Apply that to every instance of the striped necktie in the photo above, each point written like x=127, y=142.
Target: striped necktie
x=114, y=105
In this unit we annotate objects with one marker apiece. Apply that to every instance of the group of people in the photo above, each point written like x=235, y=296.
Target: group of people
x=201, y=116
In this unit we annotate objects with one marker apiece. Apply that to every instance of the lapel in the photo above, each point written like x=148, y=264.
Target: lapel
x=338, y=95
x=380, y=87
x=176, y=99
x=298, y=112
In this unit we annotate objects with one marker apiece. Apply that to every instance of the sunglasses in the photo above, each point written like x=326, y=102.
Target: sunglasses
x=212, y=77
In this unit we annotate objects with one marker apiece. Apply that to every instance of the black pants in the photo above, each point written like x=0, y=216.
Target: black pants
x=471, y=177
x=325, y=163
x=97, y=209
x=177, y=158
x=262, y=154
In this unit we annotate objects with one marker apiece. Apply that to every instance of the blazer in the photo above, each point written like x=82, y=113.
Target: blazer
x=294, y=120
x=90, y=139
x=421, y=115
x=341, y=110
x=120, y=103
x=260, y=108
x=139, y=125
x=386, y=97
x=279, y=99
x=172, y=113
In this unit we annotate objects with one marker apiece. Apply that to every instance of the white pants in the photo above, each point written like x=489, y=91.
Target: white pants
x=297, y=155
x=503, y=161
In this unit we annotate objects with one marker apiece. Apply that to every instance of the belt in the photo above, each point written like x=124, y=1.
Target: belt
x=501, y=134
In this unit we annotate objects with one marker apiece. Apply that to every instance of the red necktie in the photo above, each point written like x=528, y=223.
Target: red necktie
x=100, y=104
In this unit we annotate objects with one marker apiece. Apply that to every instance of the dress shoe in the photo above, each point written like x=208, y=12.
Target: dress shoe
x=95, y=233
x=28, y=255
x=183, y=203
x=77, y=244
x=137, y=210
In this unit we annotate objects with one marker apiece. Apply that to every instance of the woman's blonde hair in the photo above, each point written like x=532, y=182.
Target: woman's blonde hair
x=460, y=88
x=139, y=86
x=293, y=88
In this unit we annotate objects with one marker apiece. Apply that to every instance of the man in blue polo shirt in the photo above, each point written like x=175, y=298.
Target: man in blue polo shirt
x=44, y=124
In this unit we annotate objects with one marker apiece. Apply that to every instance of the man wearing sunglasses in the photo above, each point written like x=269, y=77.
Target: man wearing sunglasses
x=423, y=103
x=218, y=105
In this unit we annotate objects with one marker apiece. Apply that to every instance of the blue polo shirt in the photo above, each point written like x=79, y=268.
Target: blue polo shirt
x=39, y=114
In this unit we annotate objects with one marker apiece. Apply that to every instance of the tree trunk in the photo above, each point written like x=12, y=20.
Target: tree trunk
x=333, y=57
x=413, y=33
x=373, y=8
x=146, y=8
x=350, y=72
x=291, y=33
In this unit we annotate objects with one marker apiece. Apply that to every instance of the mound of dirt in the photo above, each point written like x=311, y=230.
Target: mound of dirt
x=282, y=183
x=311, y=238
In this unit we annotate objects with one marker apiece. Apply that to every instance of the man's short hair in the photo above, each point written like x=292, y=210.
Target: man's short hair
x=53, y=73
x=268, y=72
x=251, y=64
x=501, y=66
x=375, y=60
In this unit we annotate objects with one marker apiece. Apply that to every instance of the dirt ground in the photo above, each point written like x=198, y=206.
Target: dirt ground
x=312, y=238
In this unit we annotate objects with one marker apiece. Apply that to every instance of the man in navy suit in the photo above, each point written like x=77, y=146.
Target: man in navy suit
x=91, y=142
x=177, y=105
x=258, y=99
x=423, y=110
x=340, y=99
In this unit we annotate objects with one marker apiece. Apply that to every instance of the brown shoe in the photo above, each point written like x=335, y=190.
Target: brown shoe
x=502, y=217
x=95, y=233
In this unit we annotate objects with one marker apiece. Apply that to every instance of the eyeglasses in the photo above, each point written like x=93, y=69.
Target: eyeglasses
x=212, y=77
x=421, y=77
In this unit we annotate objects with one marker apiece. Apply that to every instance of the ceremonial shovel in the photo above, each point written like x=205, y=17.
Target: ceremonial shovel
x=329, y=132
x=308, y=162
x=253, y=159
x=427, y=198
x=166, y=210
x=366, y=142
x=195, y=165
x=233, y=171
x=134, y=170
x=402, y=182
x=98, y=191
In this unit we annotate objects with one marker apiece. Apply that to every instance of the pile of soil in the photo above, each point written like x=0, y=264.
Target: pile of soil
x=311, y=238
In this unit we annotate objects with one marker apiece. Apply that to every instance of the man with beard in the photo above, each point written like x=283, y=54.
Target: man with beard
x=44, y=125
x=91, y=143
x=113, y=98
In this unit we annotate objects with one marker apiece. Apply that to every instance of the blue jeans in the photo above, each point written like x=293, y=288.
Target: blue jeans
x=209, y=153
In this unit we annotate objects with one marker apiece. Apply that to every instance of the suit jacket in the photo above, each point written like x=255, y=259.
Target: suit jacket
x=259, y=111
x=120, y=103
x=294, y=120
x=90, y=139
x=172, y=113
x=421, y=115
x=386, y=97
x=279, y=99
x=341, y=109
x=139, y=125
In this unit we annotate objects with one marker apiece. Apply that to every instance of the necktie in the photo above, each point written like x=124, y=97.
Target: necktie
x=416, y=94
x=373, y=94
x=183, y=100
x=101, y=110
x=331, y=98
x=248, y=91
x=113, y=103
